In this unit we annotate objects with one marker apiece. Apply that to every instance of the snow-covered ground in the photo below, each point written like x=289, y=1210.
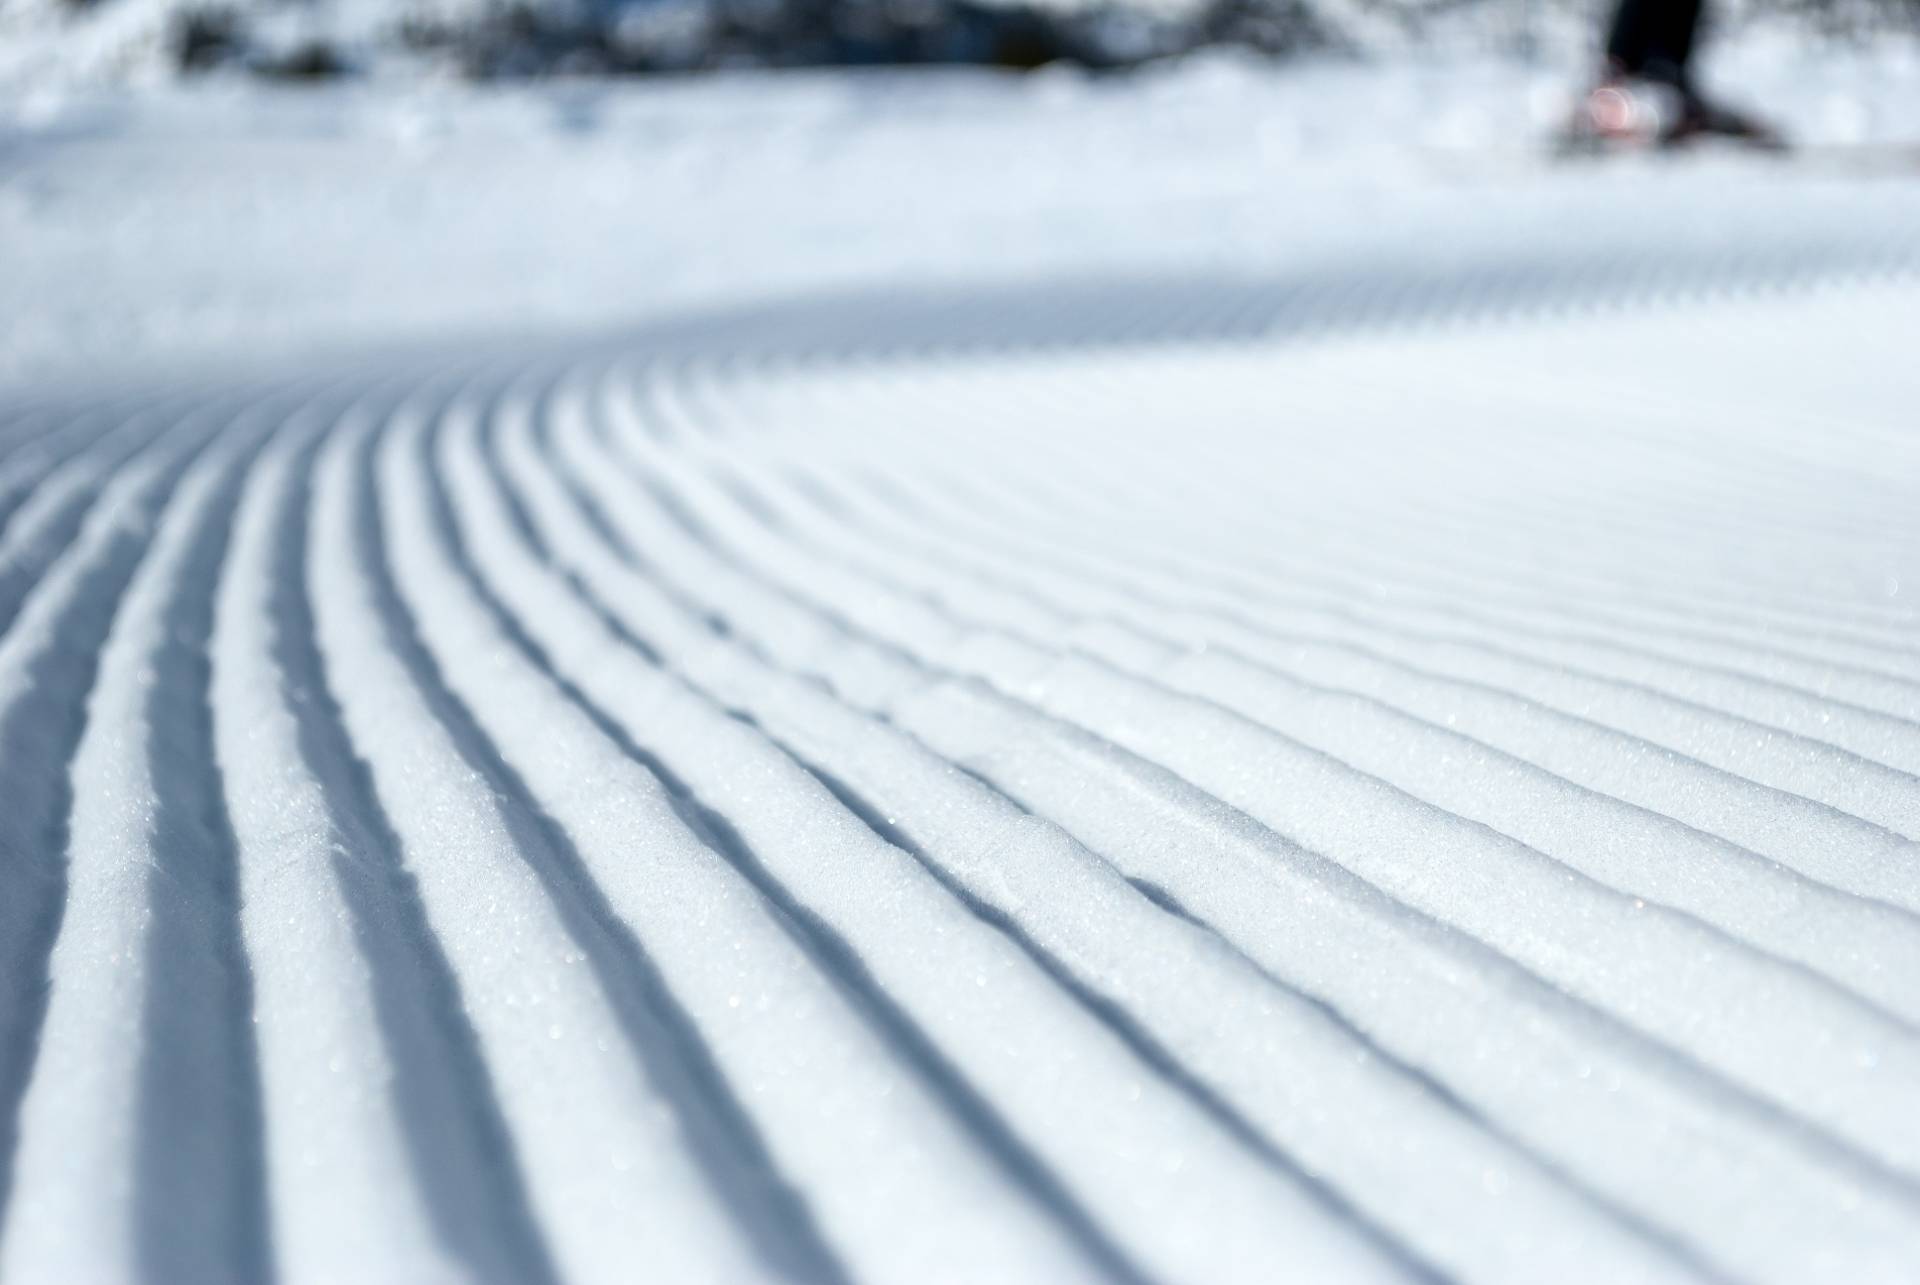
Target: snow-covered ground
x=222, y=221
x=1215, y=676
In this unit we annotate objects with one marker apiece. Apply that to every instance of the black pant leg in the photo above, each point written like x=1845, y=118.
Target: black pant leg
x=1654, y=37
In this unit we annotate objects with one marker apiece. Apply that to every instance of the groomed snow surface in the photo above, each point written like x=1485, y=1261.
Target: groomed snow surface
x=1404, y=766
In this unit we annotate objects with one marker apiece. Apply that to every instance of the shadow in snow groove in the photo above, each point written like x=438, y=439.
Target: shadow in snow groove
x=25, y=464
x=716, y=830
x=1628, y=1221
x=999, y=579
x=32, y=553
x=1126, y=1027
x=457, y=1141
x=836, y=958
x=721, y=1137
x=1810, y=1138
x=199, y=1205
x=1444, y=1097
x=37, y=743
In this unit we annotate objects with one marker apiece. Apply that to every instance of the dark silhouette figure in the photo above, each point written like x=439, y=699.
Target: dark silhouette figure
x=1647, y=92
x=1654, y=38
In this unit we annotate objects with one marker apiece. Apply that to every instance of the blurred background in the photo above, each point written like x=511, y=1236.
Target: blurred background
x=199, y=181
x=133, y=40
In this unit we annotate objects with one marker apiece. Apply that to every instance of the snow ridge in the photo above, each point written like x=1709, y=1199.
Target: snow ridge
x=836, y=799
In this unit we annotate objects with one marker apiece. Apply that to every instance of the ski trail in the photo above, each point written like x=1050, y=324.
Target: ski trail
x=1245, y=1204
x=1818, y=839
x=1387, y=774
x=1361, y=820
x=49, y=661
x=388, y=1153
x=597, y=1142
x=1642, y=1165
x=910, y=787
x=714, y=867
x=156, y=1126
x=1860, y=945
x=1728, y=729
x=1352, y=819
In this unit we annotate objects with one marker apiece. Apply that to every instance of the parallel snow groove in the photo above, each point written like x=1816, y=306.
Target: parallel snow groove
x=1825, y=844
x=916, y=779
x=888, y=764
x=1848, y=1077
x=792, y=568
x=49, y=660
x=1861, y=944
x=325, y=884
x=1886, y=794
x=724, y=841
x=598, y=1139
x=1020, y=787
x=1249, y=1216
x=149, y=1098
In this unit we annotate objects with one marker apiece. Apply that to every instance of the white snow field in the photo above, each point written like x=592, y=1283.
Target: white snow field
x=1130, y=706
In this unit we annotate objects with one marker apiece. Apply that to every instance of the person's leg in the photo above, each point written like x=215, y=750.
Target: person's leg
x=1654, y=38
x=1651, y=42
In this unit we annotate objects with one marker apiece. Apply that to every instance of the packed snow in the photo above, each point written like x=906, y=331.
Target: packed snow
x=1217, y=676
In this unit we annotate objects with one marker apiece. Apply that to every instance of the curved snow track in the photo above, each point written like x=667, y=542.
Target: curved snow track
x=1186, y=782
